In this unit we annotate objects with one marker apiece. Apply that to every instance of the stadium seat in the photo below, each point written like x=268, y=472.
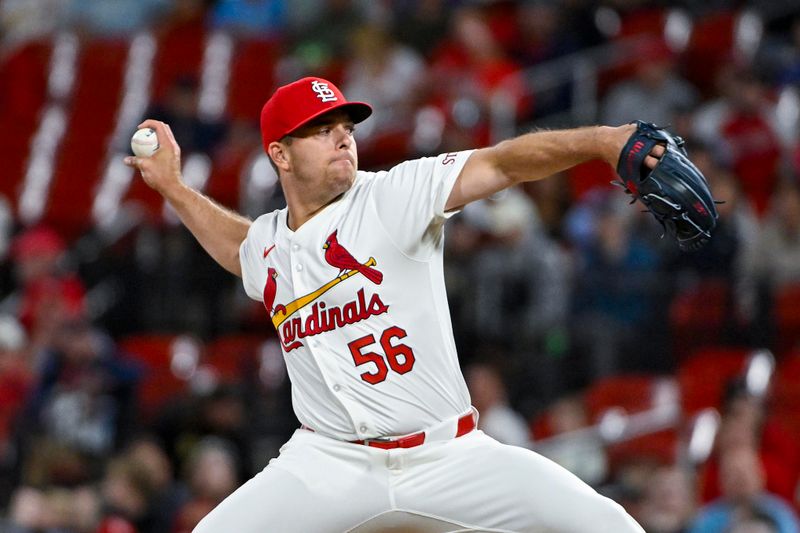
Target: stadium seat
x=567, y=413
x=16, y=385
x=641, y=32
x=541, y=426
x=660, y=447
x=635, y=393
x=232, y=160
x=250, y=84
x=710, y=47
x=170, y=361
x=589, y=176
x=643, y=21
x=252, y=77
x=23, y=92
x=786, y=393
x=787, y=317
x=180, y=54
x=83, y=152
x=703, y=376
x=697, y=317
x=386, y=149
x=234, y=357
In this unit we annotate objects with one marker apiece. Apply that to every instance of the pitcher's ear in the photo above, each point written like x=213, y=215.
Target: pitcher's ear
x=278, y=154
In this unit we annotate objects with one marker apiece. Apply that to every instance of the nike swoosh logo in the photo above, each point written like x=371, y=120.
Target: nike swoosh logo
x=268, y=250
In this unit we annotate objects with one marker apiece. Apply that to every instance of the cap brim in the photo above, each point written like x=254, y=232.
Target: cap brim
x=358, y=111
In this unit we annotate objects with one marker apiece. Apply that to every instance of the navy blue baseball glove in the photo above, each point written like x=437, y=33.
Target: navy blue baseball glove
x=675, y=191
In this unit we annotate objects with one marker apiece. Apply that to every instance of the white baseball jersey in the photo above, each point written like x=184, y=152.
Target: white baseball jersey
x=357, y=296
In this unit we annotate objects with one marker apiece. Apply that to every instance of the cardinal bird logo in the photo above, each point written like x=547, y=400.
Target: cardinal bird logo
x=337, y=256
x=324, y=316
x=270, y=289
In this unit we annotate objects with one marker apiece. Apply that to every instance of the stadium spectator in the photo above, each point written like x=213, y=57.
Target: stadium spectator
x=746, y=422
x=16, y=378
x=616, y=276
x=6, y=227
x=54, y=510
x=211, y=476
x=729, y=259
x=568, y=440
x=229, y=183
x=166, y=495
x=670, y=500
x=421, y=23
x=755, y=521
x=27, y=20
x=115, y=18
x=15, y=368
x=552, y=199
x=742, y=480
x=656, y=93
x=50, y=291
x=778, y=257
x=466, y=69
x=740, y=124
x=261, y=18
x=518, y=274
x=221, y=413
x=387, y=74
x=542, y=32
x=490, y=398
x=179, y=110
x=128, y=493
x=789, y=56
x=317, y=45
x=84, y=398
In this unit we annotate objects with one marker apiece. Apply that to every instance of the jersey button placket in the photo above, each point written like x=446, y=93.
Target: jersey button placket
x=297, y=266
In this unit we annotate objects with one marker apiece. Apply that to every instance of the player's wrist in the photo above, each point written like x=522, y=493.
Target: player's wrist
x=613, y=139
x=173, y=188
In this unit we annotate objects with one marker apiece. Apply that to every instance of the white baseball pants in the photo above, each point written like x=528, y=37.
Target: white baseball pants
x=471, y=483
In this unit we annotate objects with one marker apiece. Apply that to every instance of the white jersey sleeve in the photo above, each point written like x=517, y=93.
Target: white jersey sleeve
x=251, y=256
x=411, y=197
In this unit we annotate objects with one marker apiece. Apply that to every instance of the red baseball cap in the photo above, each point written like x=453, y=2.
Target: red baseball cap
x=36, y=242
x=299, y=102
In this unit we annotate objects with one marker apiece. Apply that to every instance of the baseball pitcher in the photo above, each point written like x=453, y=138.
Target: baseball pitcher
x=350, y=274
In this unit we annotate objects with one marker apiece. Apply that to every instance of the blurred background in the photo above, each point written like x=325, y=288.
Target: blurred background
x=138, y=384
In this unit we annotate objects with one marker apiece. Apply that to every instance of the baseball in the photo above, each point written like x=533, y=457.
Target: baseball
x=144, y=142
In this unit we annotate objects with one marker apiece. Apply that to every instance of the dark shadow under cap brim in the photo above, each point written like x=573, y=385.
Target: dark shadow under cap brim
x=358, y=111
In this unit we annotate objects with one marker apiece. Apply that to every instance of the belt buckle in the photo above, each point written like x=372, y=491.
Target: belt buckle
x=385, y=443
x=381, y=439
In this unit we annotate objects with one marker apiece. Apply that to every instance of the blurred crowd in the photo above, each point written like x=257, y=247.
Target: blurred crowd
x=139, y=386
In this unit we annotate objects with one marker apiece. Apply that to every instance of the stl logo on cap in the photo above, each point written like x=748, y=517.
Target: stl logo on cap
x=293, y=105
x=324, y=92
